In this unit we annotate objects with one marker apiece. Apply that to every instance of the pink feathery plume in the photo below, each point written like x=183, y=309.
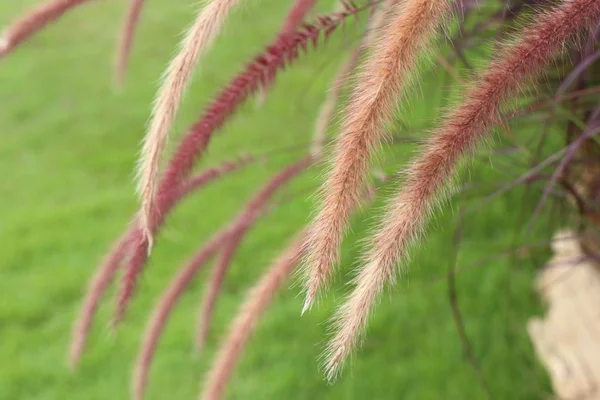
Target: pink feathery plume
x=126, y=39
x=33, y=21
x=198, y=39
x=254, y=306
x=139, y=253
x=182, y=280
x=408, y=32
x=122, y=248
x=96, y=289
x=319, y=136
x=428, y=177
x=260, y=72
x=213, y=288
x=163, y=309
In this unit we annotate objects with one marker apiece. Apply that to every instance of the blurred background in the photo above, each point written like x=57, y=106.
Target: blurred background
x=69, y=146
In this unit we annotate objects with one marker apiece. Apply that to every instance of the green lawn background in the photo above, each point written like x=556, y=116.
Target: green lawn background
x=69, y=146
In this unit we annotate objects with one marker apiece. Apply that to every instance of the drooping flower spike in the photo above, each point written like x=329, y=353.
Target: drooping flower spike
x=254, y=306
x=322, y=122
x=33, y=21
x=293, y=20
x=105, y=273
x=244, y=221
x=257, y=74
x=408, y=32
x=197, y=41
x=125, y=43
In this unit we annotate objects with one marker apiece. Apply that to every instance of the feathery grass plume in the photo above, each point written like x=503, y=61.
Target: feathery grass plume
x=405, y=36
x=198, y=39
x=242, y=222
x=138, y=254
x=319, y=136
x=254, y=306
x=258, y=73
x=33, y=21
x=126, y=39
x=96, y=289
x=104, y=275
x=163, y=309
x=213, y=288
x=428, y=176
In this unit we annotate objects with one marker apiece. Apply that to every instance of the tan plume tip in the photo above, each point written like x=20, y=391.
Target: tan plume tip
x=428, y=178
x=254, y=306
x=407, y=34
x=177, y=76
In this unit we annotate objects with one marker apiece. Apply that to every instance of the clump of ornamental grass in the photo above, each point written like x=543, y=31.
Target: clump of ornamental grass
x=543, y=65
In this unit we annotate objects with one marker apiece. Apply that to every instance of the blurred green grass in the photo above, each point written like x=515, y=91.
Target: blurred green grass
x=69, y=145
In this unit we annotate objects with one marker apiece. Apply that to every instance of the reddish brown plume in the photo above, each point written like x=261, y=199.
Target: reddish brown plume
x=242, y=222
x=380, y=85
x=122, y=248
x=139, y=253
x=126, y=39
x=163, y=309
x=96, y=289
x=429, y=175
x=258, y=300
x=213, y=288
x=33, y=21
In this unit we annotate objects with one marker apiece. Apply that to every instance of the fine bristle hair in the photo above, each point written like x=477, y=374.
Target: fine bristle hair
x=407, y=33
x=33, y=21
x=177, y=76
x=254, y=306
x=126, y=40
x=427, y=179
